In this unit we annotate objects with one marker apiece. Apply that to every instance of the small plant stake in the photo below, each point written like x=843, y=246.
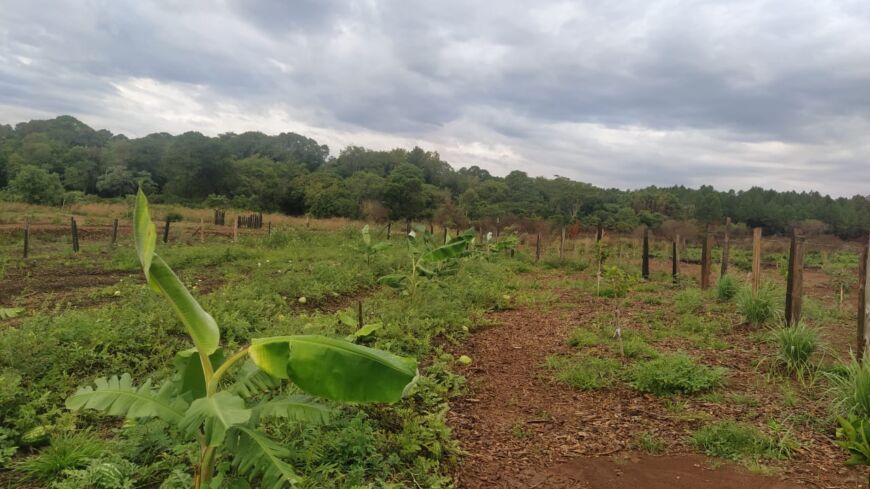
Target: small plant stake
x=114, y=232
x=75, y=234
x=166, y=231
x=618, y=333
x=562, y=244
x=235, y=231
x=202, y=230
x=360, y=319
x=538, y=248
x=675, y=257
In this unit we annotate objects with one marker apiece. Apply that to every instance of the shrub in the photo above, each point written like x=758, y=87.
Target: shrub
x=736, y=441
x=727, y=288
x=35, y=185
x=795, y=345
x=618, y=282
x=675, y=373
x=850, y=389
x=585, y=372
x=757, y=309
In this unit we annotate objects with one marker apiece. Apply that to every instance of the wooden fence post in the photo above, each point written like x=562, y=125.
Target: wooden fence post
x=863, y=304
x=235, y=230
x=389, y=228
x=445, y=235
x=538, y=248
x=725, y=248
x=756, y=260
x=202, y=230
x=360, y=322
x=706, y=259
x=75, y=234
x=114, y=232
x=645, y=258
x=562, y=244
x=166, y=232
x=599, y=232
x=26, y=237
x=795, y=280
x=675, y=256
x=269, y=229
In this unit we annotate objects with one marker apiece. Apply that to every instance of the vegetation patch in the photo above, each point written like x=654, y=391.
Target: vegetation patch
x=739, y=441
x=585, y=372
x=675, y=373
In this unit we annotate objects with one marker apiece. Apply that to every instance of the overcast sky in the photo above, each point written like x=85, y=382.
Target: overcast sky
x=616, y=93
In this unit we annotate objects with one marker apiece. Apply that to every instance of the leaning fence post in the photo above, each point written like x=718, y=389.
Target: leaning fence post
x=645, y=259
x=114, y=232
x=725, y=248
x=75, y=234
x=706, y=259
x=863, y=304
x=795, y=280
x=26, y=237
x=675, y=256
x=756, y=260
x=166, y=232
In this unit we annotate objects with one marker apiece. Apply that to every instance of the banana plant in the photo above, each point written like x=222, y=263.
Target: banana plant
x=428, y=261
x=369, y=248
x=220, y=399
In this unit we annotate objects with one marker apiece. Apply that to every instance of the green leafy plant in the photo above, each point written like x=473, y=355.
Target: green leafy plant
x=759, y=308
x=850, y=389
x=619, y=282
x=202, y=402
x=370, y=248
x=675, y=373
x=727, y=288
x=428, y=261
x=854, y=435
x=10, y=312
x=794, y=346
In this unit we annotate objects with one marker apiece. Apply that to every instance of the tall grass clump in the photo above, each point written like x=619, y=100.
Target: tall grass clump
x=850, y=389
x=757, y=309
x=739, y=441
x=727, y=288
x=675, y=373
x=795, y=345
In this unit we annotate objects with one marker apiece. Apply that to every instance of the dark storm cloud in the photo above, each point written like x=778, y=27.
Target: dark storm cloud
x=620, y=93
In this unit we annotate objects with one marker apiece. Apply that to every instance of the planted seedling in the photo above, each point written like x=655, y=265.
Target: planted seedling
x=428, y=262
x=221, y=414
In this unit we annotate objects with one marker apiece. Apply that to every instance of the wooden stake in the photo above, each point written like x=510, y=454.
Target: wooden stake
x=389, y=228
x=756, y=260
x=795, y=280
x=675, y=256
x=599, y=232
x=75, y=234
x=725, y=248
x=445, y=235
x=166, y=232
x=645, y=258
x=26, y=237
x=202, y=230
x=863, y=305
x=538, y=248
x=269, y=228
x=562, y=244
x=360, y=322
x=235, y=230
x=114, y=232
x=706, y=259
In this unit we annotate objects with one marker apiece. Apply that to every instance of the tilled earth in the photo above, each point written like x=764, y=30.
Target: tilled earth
x=519, y=428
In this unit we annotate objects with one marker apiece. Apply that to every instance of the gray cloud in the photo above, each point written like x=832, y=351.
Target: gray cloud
x=630, y=93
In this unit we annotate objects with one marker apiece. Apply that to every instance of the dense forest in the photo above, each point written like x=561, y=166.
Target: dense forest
x=63, y=160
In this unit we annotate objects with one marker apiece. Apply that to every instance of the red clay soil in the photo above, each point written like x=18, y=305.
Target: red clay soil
x=521, y=429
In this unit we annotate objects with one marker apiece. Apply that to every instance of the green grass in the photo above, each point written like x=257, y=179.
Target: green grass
x=689, y=301
x=739, y=441
x=760, y=308
x=727, y=288
x=585, y=372
x=67, y=451
x=795, y=345
x=582, y=337
x=850, y=389
x=675, y=373
x=650, y=443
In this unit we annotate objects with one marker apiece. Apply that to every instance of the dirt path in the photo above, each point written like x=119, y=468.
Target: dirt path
x=521, y=429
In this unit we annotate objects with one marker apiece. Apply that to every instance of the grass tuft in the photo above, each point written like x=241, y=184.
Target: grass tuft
x=675, y=373
x=585, y=372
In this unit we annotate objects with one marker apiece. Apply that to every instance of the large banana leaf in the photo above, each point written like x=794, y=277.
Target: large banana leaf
x=215, y=415
x=296, y=408
x=118, y=397
x=189, y=375
x=199, y=324
x=255, y=455
x=335, y=369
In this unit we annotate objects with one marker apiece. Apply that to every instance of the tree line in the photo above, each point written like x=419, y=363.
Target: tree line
x=63, y=159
